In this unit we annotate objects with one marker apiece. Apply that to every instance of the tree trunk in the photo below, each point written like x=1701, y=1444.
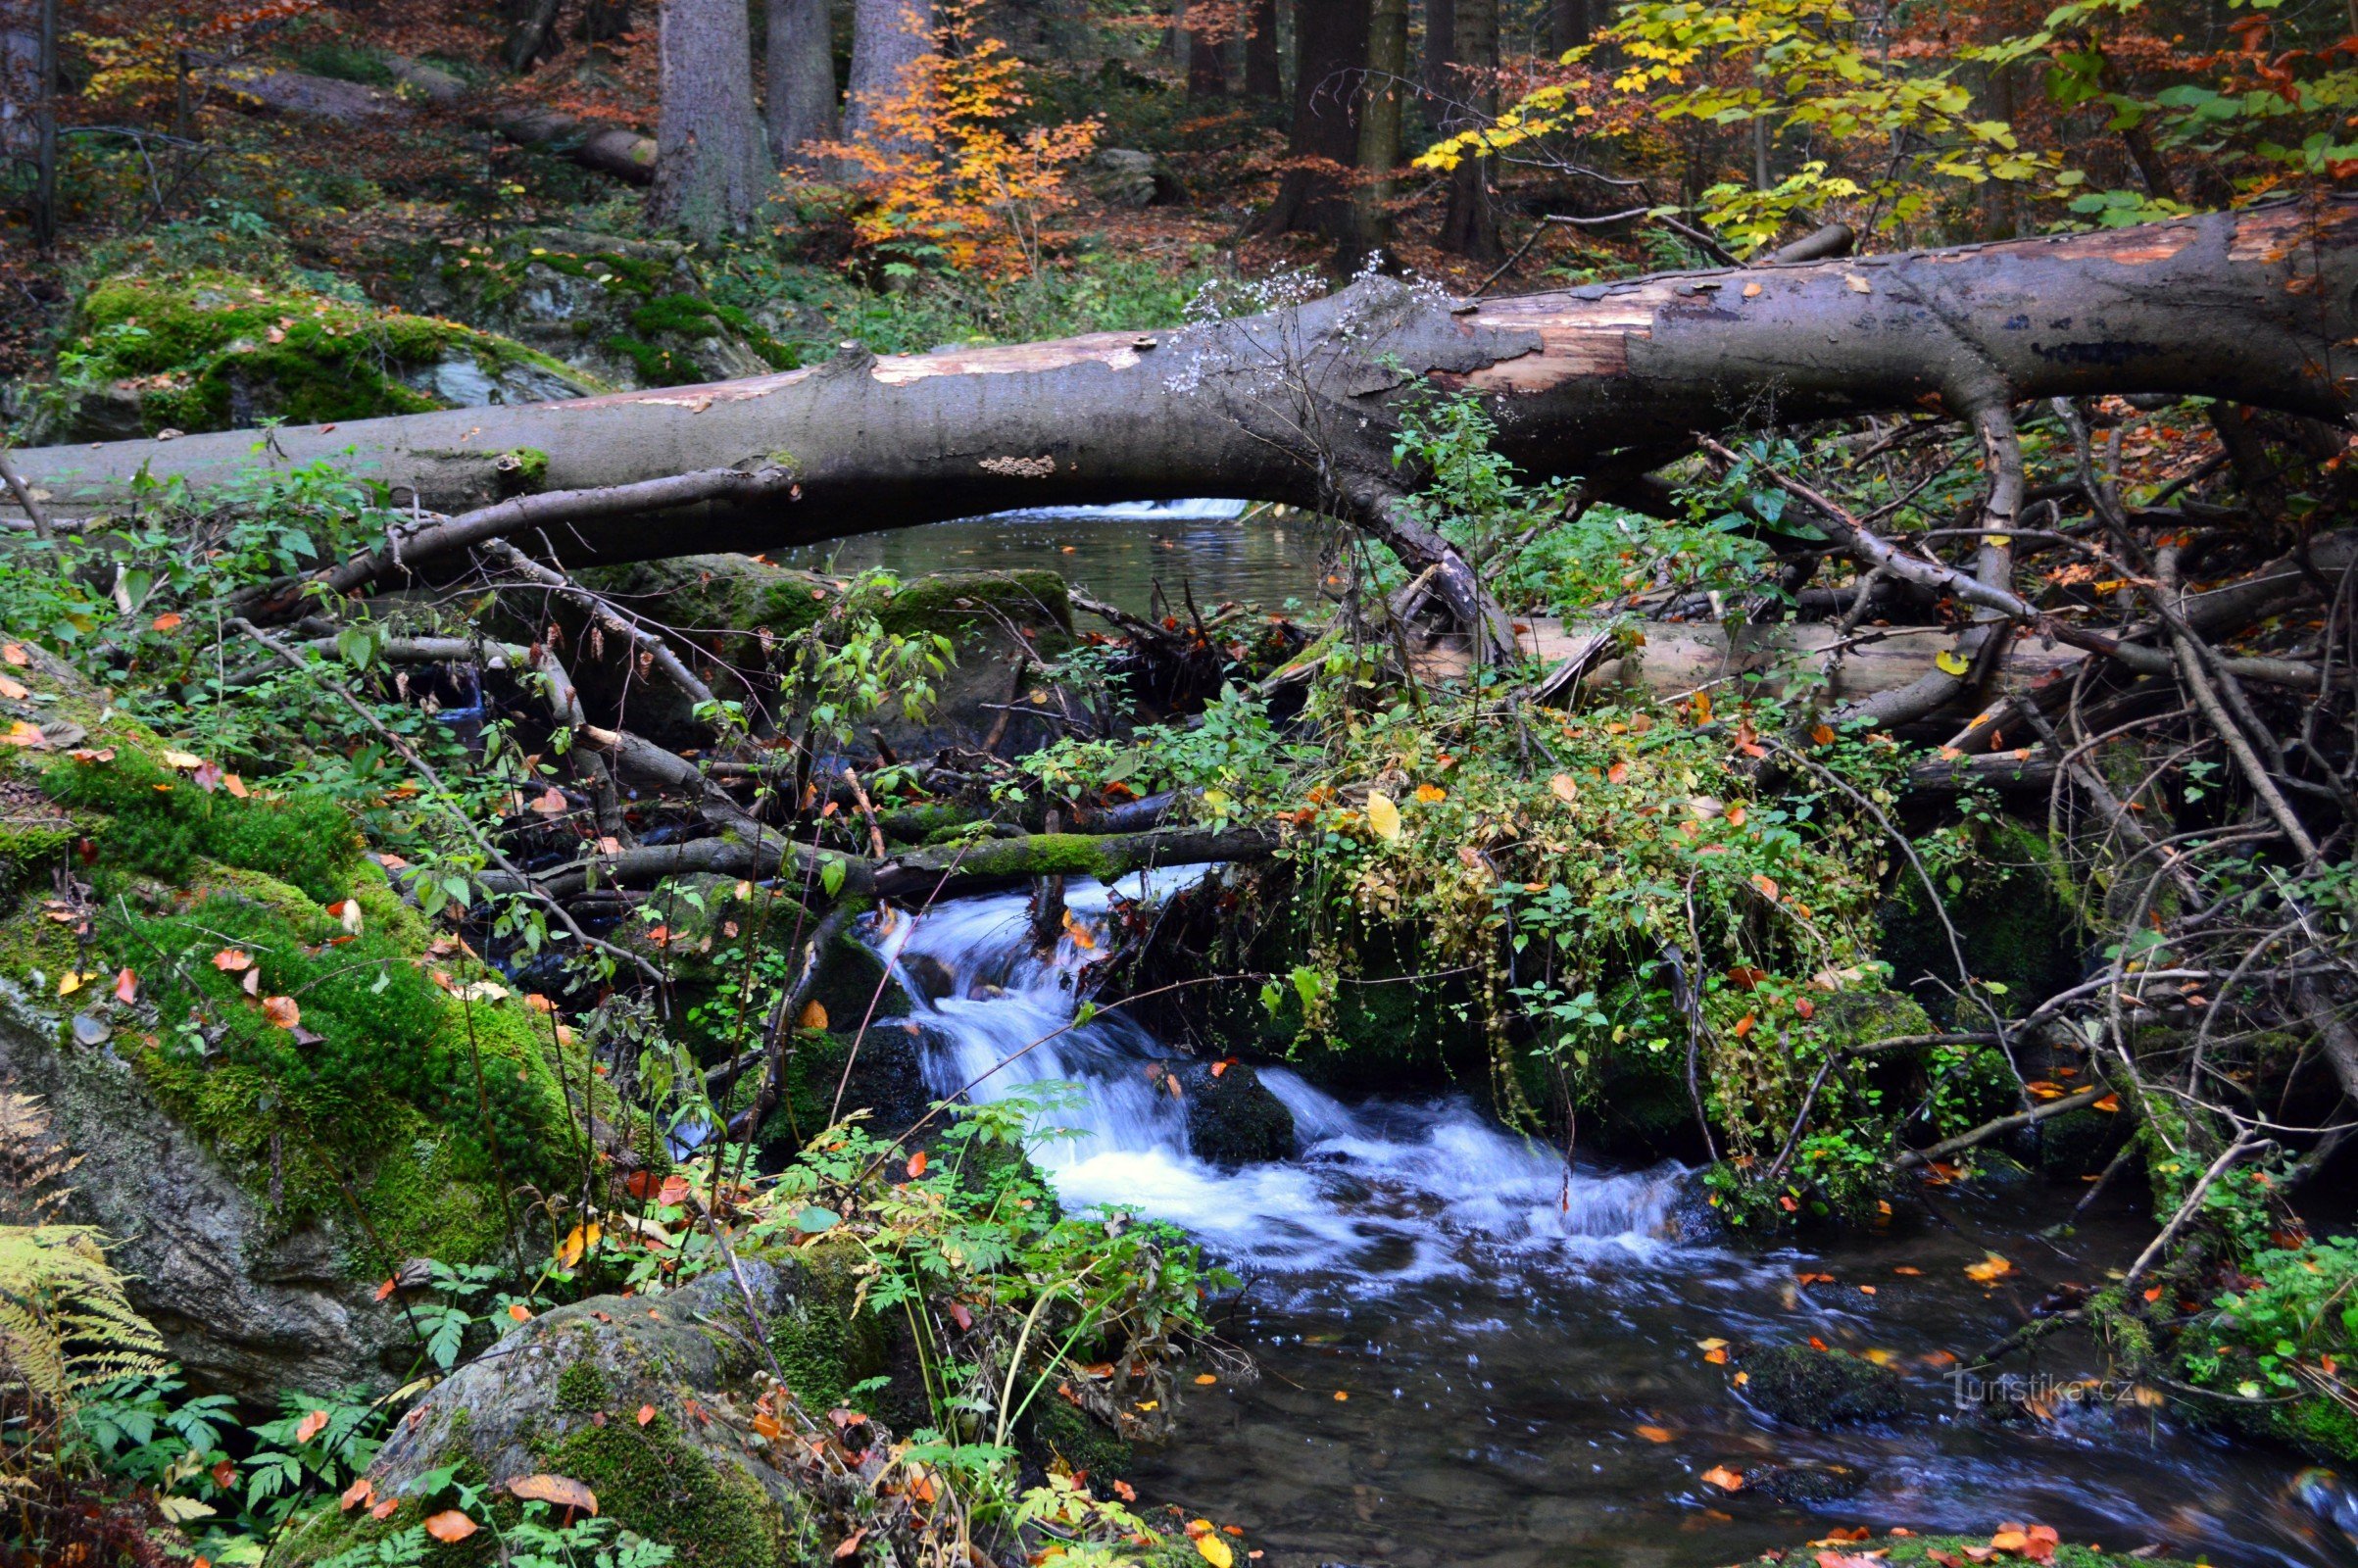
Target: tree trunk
x=1330, y=52
x=801, y=68
x=1608, y=381
x=1381, y=99
x=19, y=76
x=1205, y=57
x=710, y=171
x=1567, y=25
x=1469, y=226
x=1262, y=73
x=1436, y=71
x=888, y=36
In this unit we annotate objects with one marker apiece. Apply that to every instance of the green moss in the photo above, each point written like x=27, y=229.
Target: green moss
x=1053, y=1428
x=198, y=344
x=582, y=1388
x=956, y=602
x=1905, y=1552
x=158, y=823
x=651, y=1481
x=2016, y=925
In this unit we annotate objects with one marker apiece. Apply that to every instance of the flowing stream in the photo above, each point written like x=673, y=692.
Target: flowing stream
x=1472, y=1355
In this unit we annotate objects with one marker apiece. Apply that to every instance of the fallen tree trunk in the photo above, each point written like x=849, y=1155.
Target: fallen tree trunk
x=1299, y=406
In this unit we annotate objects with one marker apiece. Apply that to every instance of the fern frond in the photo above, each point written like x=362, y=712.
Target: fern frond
x=65, y=1321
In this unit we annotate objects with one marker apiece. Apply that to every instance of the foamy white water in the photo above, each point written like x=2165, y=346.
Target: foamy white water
x=1388, y=1192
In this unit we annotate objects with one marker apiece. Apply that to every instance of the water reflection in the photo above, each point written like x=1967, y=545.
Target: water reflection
x=1117, y=554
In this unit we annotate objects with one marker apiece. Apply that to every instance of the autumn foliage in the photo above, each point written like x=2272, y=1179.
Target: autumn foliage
x=949, y=172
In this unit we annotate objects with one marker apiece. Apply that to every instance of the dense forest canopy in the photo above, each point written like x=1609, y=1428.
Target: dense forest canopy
x=668, y=894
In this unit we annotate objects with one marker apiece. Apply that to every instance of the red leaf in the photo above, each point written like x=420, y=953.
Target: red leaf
x=127, y=988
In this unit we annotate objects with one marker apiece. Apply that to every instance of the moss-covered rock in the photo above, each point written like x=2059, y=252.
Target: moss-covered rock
x=648, y=1401
x=632, y=313
x=1820, y=1388
x=2013, y=919
x=264, y=1178
x=208, y=350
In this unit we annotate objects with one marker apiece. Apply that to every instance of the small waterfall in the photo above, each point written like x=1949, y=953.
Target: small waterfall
x=1388, y=1190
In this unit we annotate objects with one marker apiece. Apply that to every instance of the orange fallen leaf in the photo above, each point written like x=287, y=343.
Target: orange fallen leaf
x=168, y=621
x=1766, y=884
x=916, y=1164
x=450, y=1527
x=310, y=1426
x=282, y=1011
x=383, y=1507
x=1720, y=1476
x=520, y=1311
x=562, y=1491
x=1657, y=1434
x=360, y=1492
x=646, y=1413
x=16, y=691
x=1617, y=773
x=1989, y=1270
x=127, y=988
x=15, y=655
x=813, y=1016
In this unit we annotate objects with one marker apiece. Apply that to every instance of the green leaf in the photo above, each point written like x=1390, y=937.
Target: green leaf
x=814, y=1219
x=831, y=875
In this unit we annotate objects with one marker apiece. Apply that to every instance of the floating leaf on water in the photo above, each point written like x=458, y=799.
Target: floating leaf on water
x=1989, y=1269
x=1720, y=1476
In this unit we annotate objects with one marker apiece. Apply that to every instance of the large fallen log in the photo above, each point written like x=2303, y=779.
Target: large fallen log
x=1299, y=406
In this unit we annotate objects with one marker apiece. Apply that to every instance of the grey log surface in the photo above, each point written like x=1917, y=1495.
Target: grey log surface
x=2254, y=306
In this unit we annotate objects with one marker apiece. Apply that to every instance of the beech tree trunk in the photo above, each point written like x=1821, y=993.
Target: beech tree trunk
x=1383, y=94
x=1262, y=70
x=800, y=67
x=1606, y=381
x=1330, y=53
x=712, y=172
x=19, y=76
x=1435, y=69
x=888, y=36
x=1567, y=25
x=1469, y=226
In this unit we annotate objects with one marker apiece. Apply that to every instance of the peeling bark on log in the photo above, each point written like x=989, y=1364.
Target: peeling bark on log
x=1299, y=406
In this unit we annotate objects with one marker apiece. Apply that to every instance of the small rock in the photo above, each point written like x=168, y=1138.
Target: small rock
x=1122, y=176
x=1806, y=1485
x=91, y=1031
x=1232, y=1117
x=1821, y=1388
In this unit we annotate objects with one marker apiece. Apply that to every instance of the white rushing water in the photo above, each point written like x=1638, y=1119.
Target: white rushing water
x=1382, y=1191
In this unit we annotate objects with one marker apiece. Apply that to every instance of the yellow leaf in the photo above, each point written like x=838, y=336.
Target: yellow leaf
x=1952, y=663
x=1382, y=815
x=579, y=1239
x=1216, y=1551
x=1989, y=1269
x=71, y=981
x=1431, y=794
x=181, y=759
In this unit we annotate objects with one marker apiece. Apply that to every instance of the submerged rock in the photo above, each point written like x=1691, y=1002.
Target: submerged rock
x=1806, y=1485
x=1821, y=1388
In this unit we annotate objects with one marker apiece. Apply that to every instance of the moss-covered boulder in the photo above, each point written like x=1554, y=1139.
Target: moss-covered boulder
x=1820, y=1388
x=1232, y=1117
x=266, y=1156
x=2013, y=920
x=633, y=313
x=207, y=350
x=650, y=1402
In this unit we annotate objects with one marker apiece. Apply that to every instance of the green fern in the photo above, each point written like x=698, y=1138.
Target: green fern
x=65, y=1323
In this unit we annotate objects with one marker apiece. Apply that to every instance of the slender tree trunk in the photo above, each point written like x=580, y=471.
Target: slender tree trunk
x=19, y=77
x=800, y=70
x=44, y=196
x=1330, y=51
x=533, y=34
x=1469, y=226
x=712, y=173
x=1436, y=68
x=888, y=36
x=1567, y=25
x=1263, y=81
x=1206, y=58
x=1381, y=100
